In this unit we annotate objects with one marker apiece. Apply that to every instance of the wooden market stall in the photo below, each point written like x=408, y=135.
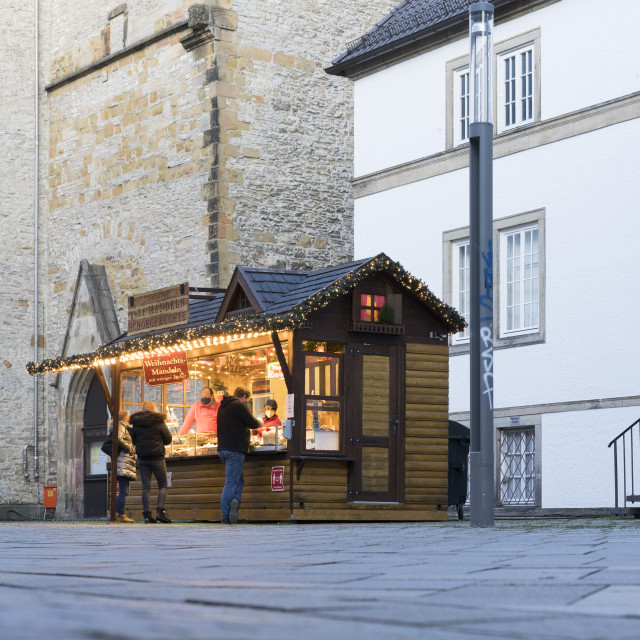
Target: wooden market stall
x=359, y=354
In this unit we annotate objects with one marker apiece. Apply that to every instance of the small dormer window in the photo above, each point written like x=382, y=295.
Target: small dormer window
x=241, y=302
x=370, y=306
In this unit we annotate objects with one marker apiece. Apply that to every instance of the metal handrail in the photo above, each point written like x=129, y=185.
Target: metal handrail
x=630, y=457
x=625, y=431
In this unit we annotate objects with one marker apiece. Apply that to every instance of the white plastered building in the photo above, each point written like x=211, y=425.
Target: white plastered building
x=566, y=227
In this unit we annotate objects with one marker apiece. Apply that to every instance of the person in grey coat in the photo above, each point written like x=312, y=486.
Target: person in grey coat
x=126, y=466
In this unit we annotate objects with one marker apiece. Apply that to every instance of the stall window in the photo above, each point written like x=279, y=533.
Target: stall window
x=135, y=391
x=370, y=306
x=178, y=399
x=257, y=370
x=323, y=398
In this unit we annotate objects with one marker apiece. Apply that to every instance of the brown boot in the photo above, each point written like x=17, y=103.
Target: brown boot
x=122, y=517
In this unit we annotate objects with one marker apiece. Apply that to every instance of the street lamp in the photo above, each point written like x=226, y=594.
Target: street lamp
x=481, y=456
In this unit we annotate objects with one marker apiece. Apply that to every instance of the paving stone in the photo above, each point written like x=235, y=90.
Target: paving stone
x=547, y=580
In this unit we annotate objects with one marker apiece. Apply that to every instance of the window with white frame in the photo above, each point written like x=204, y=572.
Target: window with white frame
x=461, y=106
x=519, y=279
x=462, y=285
x=516, y=88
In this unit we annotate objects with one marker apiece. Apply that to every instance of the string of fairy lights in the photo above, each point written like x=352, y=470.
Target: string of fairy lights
x=261, y=324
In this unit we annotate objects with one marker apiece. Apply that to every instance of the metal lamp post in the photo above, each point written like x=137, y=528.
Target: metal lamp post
x=481, y=455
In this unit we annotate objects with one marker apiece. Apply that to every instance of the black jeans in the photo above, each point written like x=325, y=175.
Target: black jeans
x=157, y=466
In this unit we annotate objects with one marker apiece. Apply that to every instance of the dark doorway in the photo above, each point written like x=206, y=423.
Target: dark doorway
x=375, y=415
x=94, y=431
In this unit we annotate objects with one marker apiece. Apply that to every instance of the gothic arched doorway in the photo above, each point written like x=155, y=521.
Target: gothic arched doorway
x=94, y=432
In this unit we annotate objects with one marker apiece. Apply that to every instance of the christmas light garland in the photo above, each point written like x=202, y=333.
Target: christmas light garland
x=250, y=326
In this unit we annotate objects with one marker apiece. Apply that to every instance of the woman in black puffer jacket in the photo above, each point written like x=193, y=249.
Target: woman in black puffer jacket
x=150, y=434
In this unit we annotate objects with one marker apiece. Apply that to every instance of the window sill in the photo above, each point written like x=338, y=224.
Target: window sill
x=501, y=343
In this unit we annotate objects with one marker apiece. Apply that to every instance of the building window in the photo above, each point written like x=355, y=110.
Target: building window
x=462, y=285
x=518, y=278
x=457, y=79
x=516, y=84
x=461, y=107
x=370, y=306
x=517, y=75
x=517, y=88
x=517, y=466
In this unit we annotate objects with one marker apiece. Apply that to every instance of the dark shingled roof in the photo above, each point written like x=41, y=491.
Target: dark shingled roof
x=281, y=291
x=269, y=285
x=410, y=21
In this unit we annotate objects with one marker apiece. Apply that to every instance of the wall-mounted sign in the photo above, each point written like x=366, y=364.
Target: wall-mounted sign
x=159, y=309
x=277, y=478
x=274, y=370
x=289, y=406
x=165, y=369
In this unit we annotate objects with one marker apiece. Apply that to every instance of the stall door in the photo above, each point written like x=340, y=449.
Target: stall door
x=373, y=424
x=94, y=432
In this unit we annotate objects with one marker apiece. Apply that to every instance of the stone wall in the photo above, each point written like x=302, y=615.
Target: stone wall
x=17, y=180
x=196, y=147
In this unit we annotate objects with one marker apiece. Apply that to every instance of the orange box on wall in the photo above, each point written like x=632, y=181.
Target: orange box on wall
x=50, y=497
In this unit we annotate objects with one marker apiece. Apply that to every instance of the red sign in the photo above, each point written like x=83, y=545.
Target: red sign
x=274, y=370
x=165, y=369
x=277, y=478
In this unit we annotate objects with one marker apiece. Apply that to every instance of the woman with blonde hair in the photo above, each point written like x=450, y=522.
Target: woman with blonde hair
x=126, y=467
x=150, y=435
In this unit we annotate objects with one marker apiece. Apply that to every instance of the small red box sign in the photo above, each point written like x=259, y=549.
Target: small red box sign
x=277, y=478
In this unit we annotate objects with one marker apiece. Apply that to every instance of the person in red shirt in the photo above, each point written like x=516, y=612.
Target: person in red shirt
x=204, y=413
x=270, y=418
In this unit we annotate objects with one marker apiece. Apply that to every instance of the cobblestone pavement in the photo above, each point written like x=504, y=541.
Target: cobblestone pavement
x=574, y=579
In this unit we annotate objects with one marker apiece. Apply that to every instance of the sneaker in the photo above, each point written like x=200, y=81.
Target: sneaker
x=121, y=517
x=148, y=517
x=233, y=512
x=225, y=521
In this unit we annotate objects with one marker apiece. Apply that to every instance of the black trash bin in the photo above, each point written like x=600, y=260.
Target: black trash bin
x=459, y=440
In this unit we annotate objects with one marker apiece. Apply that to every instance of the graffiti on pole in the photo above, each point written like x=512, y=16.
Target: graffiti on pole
x=486, y=331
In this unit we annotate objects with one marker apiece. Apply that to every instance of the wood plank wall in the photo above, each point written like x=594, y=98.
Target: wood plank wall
x=427, y=425
x=196, y=485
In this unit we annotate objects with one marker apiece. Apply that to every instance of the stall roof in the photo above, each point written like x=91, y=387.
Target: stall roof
x=288, y=297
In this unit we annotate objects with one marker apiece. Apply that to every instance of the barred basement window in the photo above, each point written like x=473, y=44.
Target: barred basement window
x=517, y=466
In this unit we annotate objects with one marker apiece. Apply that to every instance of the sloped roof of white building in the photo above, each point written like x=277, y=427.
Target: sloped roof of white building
x=411, y=22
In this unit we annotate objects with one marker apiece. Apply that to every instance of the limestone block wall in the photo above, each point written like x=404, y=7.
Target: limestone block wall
x=17, y=180
x=165, y=162
x=126, y=168
x=287, y=149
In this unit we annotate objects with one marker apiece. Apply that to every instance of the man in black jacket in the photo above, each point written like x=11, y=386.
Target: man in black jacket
x=234, y=432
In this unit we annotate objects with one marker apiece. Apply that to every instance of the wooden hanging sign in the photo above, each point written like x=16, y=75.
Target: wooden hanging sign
x=159, y=309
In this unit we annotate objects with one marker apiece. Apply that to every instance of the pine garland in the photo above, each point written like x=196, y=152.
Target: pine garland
x=259, y=323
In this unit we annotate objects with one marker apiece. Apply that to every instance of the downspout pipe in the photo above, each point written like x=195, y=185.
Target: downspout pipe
x=36, y=466
x=36, y=205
